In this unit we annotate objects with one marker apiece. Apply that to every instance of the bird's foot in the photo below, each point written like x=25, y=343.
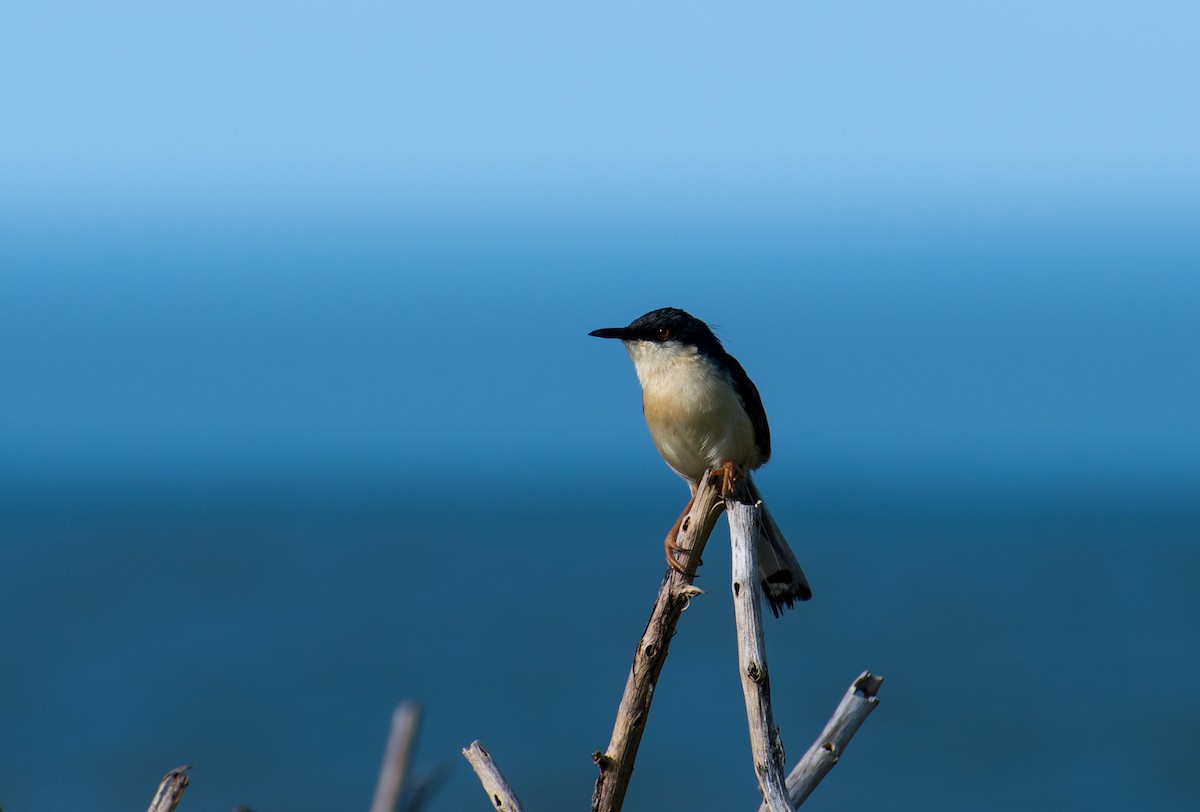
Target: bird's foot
x=731, y=477
x=672, y=546
x=672, y=549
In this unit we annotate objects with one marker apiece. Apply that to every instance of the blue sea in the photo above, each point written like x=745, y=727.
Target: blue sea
x=1031, y=660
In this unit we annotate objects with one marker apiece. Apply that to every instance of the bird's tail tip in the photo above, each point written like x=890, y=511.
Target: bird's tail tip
x=782, y=591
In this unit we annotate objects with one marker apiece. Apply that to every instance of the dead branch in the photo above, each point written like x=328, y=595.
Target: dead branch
x=170, y=790
x=765, y=744
x=860, y=699
x=616, y=763
x=494, y=783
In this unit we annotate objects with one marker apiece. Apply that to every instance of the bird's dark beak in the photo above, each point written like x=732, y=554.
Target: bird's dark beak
x=611, y=332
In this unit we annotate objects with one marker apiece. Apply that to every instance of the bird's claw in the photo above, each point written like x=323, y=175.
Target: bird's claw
x=731, y=477
x=672, y=547
x=672, y=560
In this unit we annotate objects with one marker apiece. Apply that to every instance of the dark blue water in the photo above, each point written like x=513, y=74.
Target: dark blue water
x=1033, y=659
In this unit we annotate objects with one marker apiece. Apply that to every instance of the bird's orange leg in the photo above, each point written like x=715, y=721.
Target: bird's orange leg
x=731, y=475
x=670, y=545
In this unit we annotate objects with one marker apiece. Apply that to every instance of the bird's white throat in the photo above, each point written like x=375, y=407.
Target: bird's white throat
x=666, y=365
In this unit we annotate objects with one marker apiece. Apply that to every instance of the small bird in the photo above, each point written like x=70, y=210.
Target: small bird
x=705, y=414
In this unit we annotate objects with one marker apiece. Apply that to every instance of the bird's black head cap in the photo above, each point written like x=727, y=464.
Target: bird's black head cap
x=665, y=325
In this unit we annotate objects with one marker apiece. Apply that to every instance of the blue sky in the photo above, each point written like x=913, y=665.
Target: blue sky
x=135, y=103
x=956, y=237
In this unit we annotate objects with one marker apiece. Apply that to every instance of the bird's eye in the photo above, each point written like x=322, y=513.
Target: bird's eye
x=664, y=333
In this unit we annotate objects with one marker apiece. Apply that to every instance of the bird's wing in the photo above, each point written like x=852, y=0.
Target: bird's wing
x=751, y=401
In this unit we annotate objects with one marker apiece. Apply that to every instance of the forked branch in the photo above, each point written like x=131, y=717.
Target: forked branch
x=616, y=763
x=852, y=711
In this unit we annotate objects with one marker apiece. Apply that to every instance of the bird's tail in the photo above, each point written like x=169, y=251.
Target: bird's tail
x=783, y=580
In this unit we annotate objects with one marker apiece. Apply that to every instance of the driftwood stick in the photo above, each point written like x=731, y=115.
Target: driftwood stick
x=616, y=763
x=765, y=744
x=494, y=783
x=406, y=721
x=170, y=790
x=852, y=711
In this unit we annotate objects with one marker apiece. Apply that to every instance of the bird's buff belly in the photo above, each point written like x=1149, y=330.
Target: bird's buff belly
x=693, y=442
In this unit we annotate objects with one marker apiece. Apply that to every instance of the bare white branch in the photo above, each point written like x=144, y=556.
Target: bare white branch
x=170, y=790
x=765, y=744
x=494, y=783
x=852, y=711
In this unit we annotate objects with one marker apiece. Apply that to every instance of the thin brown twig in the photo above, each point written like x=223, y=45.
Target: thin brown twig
x=616, y=763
